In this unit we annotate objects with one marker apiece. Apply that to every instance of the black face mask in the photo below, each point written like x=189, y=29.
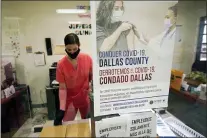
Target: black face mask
x=74, y=55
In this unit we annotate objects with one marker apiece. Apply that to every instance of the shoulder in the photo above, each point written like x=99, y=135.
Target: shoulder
x=85, y=56
x=62, y=61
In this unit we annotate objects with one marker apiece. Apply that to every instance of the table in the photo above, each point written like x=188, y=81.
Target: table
x=6, y=100
x=190, y=109
x=188, y=96
x=77, y=128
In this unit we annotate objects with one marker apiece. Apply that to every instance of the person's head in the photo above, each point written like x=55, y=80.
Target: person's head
x=72, y=45
x=171, y=16
x=109, y=11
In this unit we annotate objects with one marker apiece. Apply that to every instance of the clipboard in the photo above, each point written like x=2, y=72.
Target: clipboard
x=39, y=58
x=181, y=129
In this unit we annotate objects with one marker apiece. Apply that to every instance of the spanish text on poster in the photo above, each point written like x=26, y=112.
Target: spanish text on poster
x=133, y=52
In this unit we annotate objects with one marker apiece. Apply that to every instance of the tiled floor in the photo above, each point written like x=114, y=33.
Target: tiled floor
x=39, y=119
x=9, y=134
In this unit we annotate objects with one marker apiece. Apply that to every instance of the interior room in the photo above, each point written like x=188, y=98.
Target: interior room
x=33, y=43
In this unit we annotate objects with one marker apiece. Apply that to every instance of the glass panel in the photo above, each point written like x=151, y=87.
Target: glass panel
x=205, y=21
x=203, y=48
x=204, y=39
x=203, y=57
x=204, y=31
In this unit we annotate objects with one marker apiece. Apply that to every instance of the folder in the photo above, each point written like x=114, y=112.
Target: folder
x=78, y=130
x=53, y=131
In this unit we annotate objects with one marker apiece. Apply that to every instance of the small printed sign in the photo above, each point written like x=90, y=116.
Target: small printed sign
x=81, y=29
x=29, y=49
x=84, y=7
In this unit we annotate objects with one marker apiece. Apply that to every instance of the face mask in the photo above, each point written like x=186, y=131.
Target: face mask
x=167, y=23
x=74, y=55
x=116, y=15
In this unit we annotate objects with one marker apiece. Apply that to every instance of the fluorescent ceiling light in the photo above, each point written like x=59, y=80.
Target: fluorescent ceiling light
x=71, y=11
x=15, y=18
x=74, y=22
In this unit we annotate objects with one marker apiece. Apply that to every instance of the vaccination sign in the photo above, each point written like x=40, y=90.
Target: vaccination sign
x=132, y=54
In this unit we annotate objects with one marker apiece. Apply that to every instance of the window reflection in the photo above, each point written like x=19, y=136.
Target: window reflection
x=203, y=57
x=203, y=48
x=204, y=39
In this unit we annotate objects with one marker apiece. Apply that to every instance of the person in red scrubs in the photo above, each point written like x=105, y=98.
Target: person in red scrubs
x=74, y=74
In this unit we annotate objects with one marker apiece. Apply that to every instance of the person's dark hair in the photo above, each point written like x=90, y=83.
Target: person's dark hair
x=71, y=39
x=174, y=9
x=104, y=13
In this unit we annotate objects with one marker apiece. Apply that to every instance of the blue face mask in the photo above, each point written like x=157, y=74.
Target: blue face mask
x=74, y=55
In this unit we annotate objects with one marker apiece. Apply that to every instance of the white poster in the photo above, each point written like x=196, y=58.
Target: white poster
x=11, y=37
x=133, y=51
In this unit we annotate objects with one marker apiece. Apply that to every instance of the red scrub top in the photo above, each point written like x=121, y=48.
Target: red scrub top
x=76, y=80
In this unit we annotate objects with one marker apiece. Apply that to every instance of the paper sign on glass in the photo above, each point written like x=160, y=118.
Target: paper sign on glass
x=114, y=127
x=141, y=125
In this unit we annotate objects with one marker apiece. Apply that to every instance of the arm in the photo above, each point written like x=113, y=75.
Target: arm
x=109, y=42
x=139, y=37
x=146, y=39
x=90, y=75
x=139, y=40
x=130, y=40
x=90, y=69
x=62, y=87
x=62, y=96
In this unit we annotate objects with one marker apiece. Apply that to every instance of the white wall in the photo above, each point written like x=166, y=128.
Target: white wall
x=189, y=13
x=39, y=21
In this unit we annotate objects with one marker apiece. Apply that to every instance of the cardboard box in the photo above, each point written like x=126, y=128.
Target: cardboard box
x=176, y=79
